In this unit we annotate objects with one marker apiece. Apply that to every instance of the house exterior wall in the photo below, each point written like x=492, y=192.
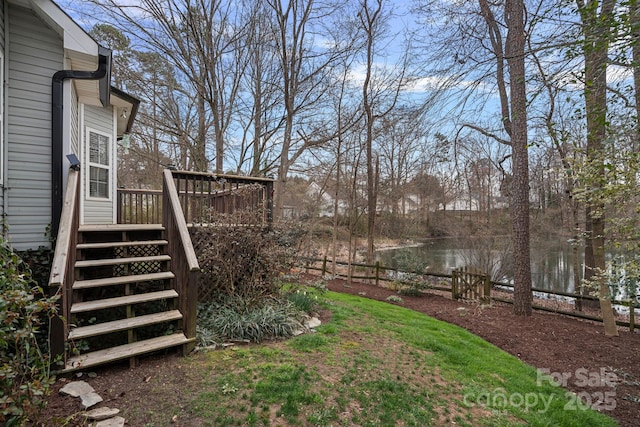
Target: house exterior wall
x=2, y=3
x=3, y=117
x=35, y=53
x=98, y=211
x=74, y=127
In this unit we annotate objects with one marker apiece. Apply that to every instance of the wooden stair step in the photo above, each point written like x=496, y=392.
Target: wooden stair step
x=119, y=227
x=111, y=281
x=125, y=351
x=121, y=244
x=118, y=261
x=124, y=324
x=81, y=307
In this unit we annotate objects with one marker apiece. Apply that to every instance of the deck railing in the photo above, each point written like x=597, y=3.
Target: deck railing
x=64, y=258
x=206, y=199
x=139, y=206
x=184, y=263
x=216, y=199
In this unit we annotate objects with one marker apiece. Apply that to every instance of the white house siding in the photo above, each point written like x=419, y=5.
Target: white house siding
x=98, y=211
x=35, y=53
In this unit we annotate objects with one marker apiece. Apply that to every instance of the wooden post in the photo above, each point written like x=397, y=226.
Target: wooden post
x=192, y=302
x=487, y=288
x=119, y=208
x=454, y=280
x=324, y=265
x=377, y=272
x=632, y=316
x=270, y=190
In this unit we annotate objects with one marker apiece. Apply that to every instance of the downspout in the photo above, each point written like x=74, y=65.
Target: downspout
x=57, y=102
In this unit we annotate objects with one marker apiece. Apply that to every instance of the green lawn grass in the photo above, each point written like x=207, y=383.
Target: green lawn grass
x=377, y=364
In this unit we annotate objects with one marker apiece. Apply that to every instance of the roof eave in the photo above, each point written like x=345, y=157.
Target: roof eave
x=130, y=102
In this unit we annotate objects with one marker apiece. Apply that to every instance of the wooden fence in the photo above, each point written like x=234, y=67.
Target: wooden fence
x=470, y=284
x=378, y=273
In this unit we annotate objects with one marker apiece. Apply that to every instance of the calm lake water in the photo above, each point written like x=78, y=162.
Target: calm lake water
x=551, y=263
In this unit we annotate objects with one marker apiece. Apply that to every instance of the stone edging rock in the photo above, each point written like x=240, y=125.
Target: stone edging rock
x=104, y=416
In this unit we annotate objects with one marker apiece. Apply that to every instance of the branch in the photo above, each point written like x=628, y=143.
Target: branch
x=483, y=132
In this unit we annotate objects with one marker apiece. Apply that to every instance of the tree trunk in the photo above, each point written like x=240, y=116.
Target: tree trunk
x=514, y=49
x=336, y=203
x=369, y=23
x=200, y=163
x=596, y=46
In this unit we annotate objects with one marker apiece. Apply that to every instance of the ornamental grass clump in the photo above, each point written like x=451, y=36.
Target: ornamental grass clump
x=233, y=320
x=24, y=362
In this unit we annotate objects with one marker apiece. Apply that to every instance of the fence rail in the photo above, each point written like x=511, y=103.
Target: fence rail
x=379, y=275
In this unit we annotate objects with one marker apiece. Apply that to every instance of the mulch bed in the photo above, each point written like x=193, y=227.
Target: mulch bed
x=560, y=344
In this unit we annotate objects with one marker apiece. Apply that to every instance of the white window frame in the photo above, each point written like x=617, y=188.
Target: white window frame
x=89, y=164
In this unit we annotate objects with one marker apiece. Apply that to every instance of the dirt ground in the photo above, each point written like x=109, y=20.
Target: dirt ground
x=591, y=363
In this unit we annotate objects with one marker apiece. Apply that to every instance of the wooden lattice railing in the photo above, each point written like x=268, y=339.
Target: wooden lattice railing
x=64, y=258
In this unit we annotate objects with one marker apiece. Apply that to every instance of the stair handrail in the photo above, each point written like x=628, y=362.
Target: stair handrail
x=184, y=262
x=64, y=258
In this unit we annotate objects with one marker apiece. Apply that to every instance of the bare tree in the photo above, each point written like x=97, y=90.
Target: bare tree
x=260, y=98
x=200, y=38
x=305, y=70
x=380, y=94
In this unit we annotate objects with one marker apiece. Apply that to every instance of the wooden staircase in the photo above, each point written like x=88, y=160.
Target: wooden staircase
x=122, y=299
x=129, y=289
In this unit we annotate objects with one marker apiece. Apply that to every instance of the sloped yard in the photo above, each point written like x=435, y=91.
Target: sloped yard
x=369, y=364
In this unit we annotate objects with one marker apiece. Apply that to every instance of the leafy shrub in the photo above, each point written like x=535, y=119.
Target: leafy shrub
x=24, y=366
x=233, y=320
x=39, y=262
x=409, y=281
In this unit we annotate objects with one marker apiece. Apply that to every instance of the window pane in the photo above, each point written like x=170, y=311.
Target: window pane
x=98, y=149
x=98, y=182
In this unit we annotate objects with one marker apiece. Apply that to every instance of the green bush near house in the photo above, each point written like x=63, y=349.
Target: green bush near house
x=24, y=360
